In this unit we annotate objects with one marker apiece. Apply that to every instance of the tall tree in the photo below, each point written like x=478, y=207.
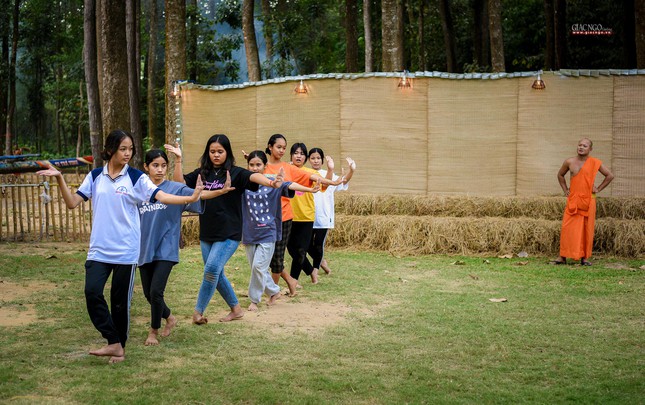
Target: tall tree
x=250, y=42
x=11, y=108
x=115, y=107
x=480, y=33
x=131, y=28
x=175, y=58
x=560, y=33
x=392, y=35
x=267, y=29
x=367, y=28
x=92, y=81
x=155, y=138
x=496, y=37
x=639, y=16
x=549, y=54
x=351, y=36
x=629, y=34
x=5, y=25
x=448, y=35
x=422, y=60
x=192, y=16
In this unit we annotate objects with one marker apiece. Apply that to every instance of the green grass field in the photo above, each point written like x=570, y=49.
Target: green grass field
x=379, y=330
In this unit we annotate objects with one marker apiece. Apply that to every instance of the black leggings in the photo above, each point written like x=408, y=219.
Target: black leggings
x=113, y=323
x=316, y=250
x=154, y=277
x=297, y=246
x=277, y=261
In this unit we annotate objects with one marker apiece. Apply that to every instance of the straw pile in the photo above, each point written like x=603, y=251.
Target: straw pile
x=414, y=225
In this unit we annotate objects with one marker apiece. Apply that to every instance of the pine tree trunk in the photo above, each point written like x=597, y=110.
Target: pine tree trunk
x=560, y=26
x=131, y=28
x=11, y=108
x=392, y=35
x=549, y=55
x=175, y=59
x=250, y=42
x=447, y=27
x=351, y=36
x=91, y=81
x=155, y=139
x=367, y=26
x=267, y=29
x=480, y=34
x=496, y=38
x=191, y=41
x=115, y=100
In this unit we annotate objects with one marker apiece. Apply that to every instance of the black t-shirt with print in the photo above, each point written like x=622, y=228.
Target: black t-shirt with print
x=222, y=217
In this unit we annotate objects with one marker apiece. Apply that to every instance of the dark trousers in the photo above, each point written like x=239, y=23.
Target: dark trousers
x=154, y=277
x=277, y=261
x=113, y=324
x=297, y=246
x=316, y=250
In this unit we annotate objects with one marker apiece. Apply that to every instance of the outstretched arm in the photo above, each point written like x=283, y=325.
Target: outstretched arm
x=352, y=167
x=208, y=194
x=71, y=200
x=300, y=187
x=178, y=174
x=167, y=198
x=263, y=180
x=609, y=176
x=563, y=182
x=330, y=168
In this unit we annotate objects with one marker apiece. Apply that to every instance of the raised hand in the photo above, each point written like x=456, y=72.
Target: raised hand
x=52, y=171
x=351, y=163
x=175, y=150
x=316, y=187
x=330, y=163
x=199, y=187
x=227, y=184
x=246, y=155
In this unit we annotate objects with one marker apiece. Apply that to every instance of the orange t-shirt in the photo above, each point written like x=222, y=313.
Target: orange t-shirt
x=292, y=174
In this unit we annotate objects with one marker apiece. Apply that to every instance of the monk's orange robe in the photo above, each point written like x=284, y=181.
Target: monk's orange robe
x=576, y=238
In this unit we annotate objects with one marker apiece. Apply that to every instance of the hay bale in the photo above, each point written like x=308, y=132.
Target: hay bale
x=548, y=208
x=411, y=235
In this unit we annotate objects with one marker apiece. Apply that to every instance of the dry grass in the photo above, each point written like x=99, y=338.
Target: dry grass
x=549, y=208
x=417, y=225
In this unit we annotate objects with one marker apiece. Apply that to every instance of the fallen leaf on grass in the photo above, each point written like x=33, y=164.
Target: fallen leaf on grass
x=486, y=261
x=506, y=256
x=474, y=277
x=497, y=299
x=403, y=280
x=642, y=267
x=459, y=262
x=621, y=282
x=51, y=257
x=522, y=263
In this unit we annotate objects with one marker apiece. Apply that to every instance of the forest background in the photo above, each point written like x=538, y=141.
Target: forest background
x=72, y=70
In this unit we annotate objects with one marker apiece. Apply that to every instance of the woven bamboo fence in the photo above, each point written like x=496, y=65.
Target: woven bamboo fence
x=32, y=209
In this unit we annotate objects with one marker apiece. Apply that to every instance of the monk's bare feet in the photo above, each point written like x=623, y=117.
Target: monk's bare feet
x=170, y=323
x=274, y=298
x=323, y=265
x=233, y=316
x=253, y=307
x=585, y=262
x=116, y=359
x=152, y=338
x=113, y=350
x=314, y=276
x=199, y=319
x=292, y=284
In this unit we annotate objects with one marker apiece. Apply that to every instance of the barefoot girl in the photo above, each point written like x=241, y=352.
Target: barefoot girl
x=115, y=190
x=262, y=217
x=161, y=224
x=324, y=203
x=276, y=148
x=220, y=225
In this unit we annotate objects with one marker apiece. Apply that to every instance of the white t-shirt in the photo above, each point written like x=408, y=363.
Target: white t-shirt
x=324, y=202
x=116, y=229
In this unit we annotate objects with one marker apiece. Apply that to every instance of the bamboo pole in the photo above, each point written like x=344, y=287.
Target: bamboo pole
x=2, y=198
x=60, y=215
x=19, y=203
x=52, y=214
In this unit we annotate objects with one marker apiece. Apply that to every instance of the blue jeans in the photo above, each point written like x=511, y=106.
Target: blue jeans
x=215, y=256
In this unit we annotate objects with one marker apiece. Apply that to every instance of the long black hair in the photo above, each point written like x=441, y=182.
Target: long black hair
x=272, y=141
x=113, y=141
x=205, y=163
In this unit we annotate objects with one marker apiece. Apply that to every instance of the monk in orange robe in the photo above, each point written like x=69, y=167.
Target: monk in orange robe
x=576, y=238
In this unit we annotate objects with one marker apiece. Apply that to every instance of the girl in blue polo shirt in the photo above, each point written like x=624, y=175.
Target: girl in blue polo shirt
x=115, y=190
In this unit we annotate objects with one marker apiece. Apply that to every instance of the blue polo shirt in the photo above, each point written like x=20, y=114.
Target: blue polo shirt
x=116, y=230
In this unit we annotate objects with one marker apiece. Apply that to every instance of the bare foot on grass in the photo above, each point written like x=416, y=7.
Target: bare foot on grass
x=171, y=322
x=274, y=298
x=233, y=316
x=199, y=319
x=314, y=276
x=113, y=350
x=253, y=307
x=152, y=338
x=323, y=265
x=293, y=285
x=116, y=359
